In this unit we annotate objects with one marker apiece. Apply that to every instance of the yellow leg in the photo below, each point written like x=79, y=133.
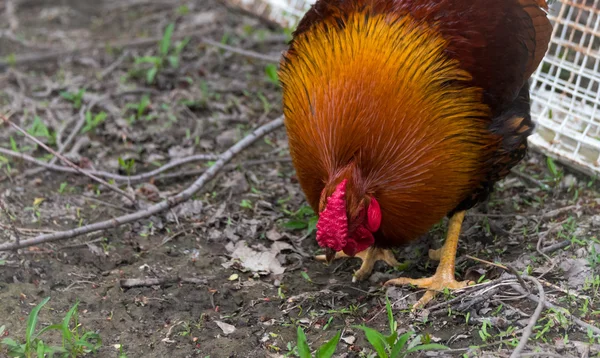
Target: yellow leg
x=444, y=275
x=369, y=257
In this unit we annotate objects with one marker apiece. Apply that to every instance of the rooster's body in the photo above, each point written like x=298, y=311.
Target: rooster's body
x=400, y=112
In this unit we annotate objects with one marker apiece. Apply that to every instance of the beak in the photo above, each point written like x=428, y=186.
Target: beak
x=329, y=255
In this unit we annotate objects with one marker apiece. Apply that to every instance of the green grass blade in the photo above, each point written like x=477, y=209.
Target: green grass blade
x=32, y=321
x=400, y=343
x=376, y=339
x=303, y=349
x=165, y=43
x=427, y=347
x=327, y=349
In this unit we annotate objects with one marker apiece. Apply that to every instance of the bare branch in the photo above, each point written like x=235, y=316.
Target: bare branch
x=66, y=161
x=117, y=177
x=586, y=326
x=165, y=205
x=239, y=51
x=50, y=56
x=527, y=331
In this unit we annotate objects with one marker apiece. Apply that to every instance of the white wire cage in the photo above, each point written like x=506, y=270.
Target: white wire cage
x=565, y=89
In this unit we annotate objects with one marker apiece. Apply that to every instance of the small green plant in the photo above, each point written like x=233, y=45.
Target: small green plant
x=392, y=345
x=93, y=121
x=75, y=342
x=247, y=204
x=167, y=53
x=74, y=97
x=483, y=332
x=127, y=165
x=39, y=129
x=554, y=171
x=62, y=188
x=325, y=351
x=271, y=71
x=303, y=218
x=139, y=109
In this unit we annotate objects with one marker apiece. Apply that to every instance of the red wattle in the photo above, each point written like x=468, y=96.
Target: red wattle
x=361, y=240
x=373, y=216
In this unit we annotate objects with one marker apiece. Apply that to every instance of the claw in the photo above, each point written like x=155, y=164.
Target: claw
x=369, y=257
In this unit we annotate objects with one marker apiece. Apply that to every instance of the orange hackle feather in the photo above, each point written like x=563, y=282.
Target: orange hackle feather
x=375, y=100
x=420, y=104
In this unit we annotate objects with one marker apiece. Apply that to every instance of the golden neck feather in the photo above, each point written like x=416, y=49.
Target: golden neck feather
x=378, y=91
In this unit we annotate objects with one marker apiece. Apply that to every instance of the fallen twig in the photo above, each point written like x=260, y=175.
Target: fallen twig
x=527, y=331
x=66, y=161
x=164, y=205
x=530, y=179
x=10, y=10
x=506, y=268
x=147, y=282
x=49, y=56
x=239, y=51
x=80, y=123
x=568, y=314
x=107, y=175
x=555, y=247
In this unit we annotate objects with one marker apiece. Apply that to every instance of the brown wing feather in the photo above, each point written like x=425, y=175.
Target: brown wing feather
x=537, y=40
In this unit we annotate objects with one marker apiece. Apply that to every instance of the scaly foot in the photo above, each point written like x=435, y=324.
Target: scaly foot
x=444, y=275
x=434, y=284
x=369, y=257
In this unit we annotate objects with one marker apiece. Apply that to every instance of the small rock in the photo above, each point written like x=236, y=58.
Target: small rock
x=225, y=327
x=237, y=182
x=349, y=340
x=568, y=181
x=273, y=235
x=227, y=138
x=207, y=144
x=595, y=221
x=178, y=151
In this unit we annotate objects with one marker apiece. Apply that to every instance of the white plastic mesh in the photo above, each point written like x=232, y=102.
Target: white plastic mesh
x=283, y=12
x=565, y=89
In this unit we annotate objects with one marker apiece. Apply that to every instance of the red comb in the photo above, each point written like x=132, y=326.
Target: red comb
x=332, y=227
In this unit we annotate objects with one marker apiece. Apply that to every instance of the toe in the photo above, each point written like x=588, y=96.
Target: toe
x=420, y=282
x=427, y=297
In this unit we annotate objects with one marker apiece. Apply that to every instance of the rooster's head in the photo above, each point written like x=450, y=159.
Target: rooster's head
x=347, y=225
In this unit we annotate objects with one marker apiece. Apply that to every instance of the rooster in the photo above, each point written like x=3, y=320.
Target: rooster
x=402, y=112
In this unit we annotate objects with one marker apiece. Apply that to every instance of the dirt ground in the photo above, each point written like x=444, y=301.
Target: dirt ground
x=243, y=247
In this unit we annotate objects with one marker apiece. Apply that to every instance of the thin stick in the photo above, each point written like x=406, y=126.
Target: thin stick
x=145, y=282
x=10, y=10
x=543, y=354
x=78, y=126
x=107, y=175
x=527, y=331
x=581, y=323
x=49, y=56
x=239, y=51
x=165, y=205
x=506, y=268
x=68, y=162
x=530, y=179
